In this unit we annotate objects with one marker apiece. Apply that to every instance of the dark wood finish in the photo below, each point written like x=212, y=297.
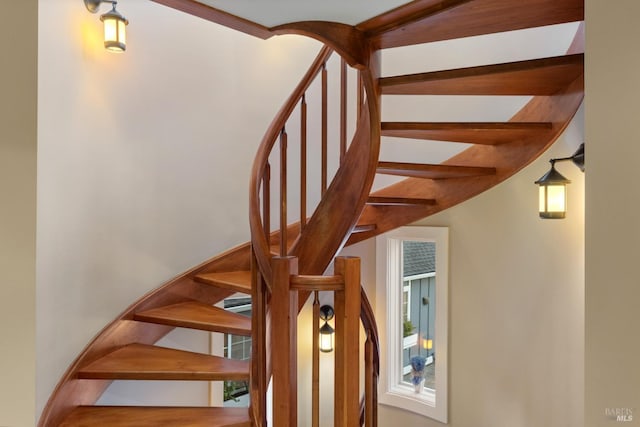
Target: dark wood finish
x=317, y=283
x=284, y=308
x=486, y=133
x=347, y=350
x=477, y=17
x=196, y=315
x=348, y=41
x=506, y=158
x=343, y=109
x=218, y=16
x=260, y=240
x=360, y=95
x=303, y=162
x=399, y=201
x=258, y=407
x=324, y=133
x=283, y=192
x=369, y=385
x=544, y=76
x=235, y=281
x=372, y=362
x=147, y=362
x=266, y=199
x=338, y=211
x=421, y=170
x=154, y=416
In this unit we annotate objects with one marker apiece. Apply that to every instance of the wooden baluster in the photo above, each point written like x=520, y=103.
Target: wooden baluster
x=284, y=315
x=360, y=94
x=259, y=345
x=347, y=352
x=369, y=385
x=375, y=399
x=283, y=192
x=343, y=108
x=323, y=184
x=266, y=201
x=303, y=163
x=315, y=376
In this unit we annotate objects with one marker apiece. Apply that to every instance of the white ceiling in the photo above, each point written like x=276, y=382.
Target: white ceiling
x=275, y=12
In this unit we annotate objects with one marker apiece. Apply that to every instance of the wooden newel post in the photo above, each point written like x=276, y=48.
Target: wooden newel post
x=347, y=354
x=284, y=315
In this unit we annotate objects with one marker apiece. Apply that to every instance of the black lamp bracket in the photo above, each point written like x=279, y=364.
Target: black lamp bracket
x=577, y=158
x=93, y=5
x=326, y=313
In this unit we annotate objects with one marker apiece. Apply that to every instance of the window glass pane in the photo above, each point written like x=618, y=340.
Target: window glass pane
x=418, y=312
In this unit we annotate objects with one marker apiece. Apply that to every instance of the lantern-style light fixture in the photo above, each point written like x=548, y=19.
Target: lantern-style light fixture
x=115, y=25
x=327, y=333
x=553, y=187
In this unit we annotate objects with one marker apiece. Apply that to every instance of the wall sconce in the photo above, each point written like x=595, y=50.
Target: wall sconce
x=553, y=187
x=115, y=25
x=327, y=333
x=427, y=344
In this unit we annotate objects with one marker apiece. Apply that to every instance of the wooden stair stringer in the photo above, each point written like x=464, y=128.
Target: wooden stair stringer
x=71, y=392
x=508, y=159
x=340, y=208
x=476, y=18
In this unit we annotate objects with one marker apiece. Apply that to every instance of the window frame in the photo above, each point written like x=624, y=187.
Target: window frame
x=389, y=288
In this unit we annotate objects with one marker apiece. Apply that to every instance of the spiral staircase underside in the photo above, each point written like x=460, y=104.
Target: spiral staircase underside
x=125, y=349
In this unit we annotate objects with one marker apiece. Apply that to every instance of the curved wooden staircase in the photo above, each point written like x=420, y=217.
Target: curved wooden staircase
x=348, y=211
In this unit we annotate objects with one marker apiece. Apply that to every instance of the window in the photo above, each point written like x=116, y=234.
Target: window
x=412, y=274
x=237, y=347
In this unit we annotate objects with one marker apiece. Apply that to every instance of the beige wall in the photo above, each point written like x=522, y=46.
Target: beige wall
x=612, y=375
x=516, y=305
x=144, y=160
x=18, y=77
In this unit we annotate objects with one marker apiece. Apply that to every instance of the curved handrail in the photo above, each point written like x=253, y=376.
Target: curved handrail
x=368, y=319
x=342, y=195
x=258, y=238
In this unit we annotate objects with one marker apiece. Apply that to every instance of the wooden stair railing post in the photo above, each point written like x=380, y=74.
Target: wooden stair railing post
x=259, y=345
x=347, y=352
x=369, y=383
x=284, y=315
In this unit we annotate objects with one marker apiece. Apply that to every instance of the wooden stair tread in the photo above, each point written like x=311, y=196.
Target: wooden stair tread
x=399, y=201
x=148, y=362
x=544, y=76
x=485, y=133
x=196, y=315
x=154, y=416
x=428, y=171
x=237, y=281
x=453, y=19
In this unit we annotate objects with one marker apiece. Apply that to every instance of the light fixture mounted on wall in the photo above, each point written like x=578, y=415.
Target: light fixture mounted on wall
x=553, y=191
x=115, y=25
x=326, y=331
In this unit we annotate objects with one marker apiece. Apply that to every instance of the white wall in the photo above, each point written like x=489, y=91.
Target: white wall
x=516, y=305
x=144, y=159
x=18, y=76
x=612, y=376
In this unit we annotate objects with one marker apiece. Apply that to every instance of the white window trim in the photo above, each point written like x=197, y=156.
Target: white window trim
x=389, y=314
